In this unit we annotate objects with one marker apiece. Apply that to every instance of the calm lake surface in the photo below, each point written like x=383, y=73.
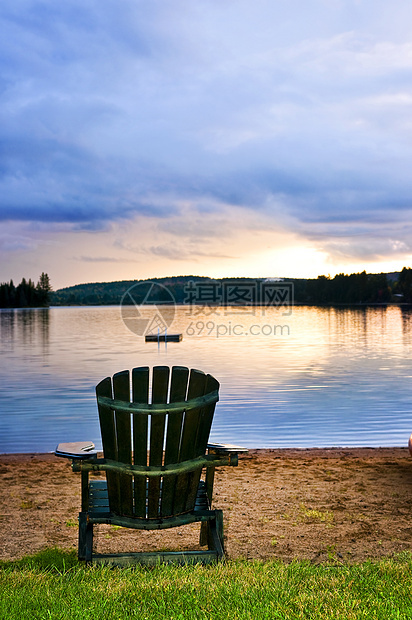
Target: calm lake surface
x=312, y=377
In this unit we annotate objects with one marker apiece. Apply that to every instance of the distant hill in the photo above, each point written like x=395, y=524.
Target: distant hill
x=107, y=293
x=357, y=288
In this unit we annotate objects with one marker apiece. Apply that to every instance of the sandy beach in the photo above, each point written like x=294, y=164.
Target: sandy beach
x=317, y=504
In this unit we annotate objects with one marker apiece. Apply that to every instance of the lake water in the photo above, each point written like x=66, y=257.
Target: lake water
x=312, y=377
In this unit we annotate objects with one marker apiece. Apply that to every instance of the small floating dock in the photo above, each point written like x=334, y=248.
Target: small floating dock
x=163, y=337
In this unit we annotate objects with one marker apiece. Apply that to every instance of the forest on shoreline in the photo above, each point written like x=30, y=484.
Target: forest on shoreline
x=352, y=289
x=357, y=288
x=26, y=294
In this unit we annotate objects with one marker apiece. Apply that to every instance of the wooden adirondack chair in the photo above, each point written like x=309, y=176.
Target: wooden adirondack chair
x=155, y=449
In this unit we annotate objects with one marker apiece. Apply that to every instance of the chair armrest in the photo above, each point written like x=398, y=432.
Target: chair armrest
x=224, y=448
x=76, y=450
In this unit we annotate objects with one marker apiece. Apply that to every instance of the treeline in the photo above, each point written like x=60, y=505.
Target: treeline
x=403, y=286
x=356, y=288
x=26, y=294
x=111, y=293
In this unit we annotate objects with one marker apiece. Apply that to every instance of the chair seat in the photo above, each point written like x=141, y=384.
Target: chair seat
x=99, y=510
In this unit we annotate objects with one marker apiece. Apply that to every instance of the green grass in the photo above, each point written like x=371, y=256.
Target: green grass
x=52, y=585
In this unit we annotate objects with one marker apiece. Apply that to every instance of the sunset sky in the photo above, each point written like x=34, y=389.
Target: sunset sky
x=152, y=138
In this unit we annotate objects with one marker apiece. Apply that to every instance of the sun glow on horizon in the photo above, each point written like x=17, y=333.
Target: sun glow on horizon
x=140, y=249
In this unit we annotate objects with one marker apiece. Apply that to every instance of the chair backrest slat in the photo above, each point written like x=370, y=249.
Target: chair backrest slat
x=108, y=432
x=140, y=394
x=197, y=386
x=178, y=392
x=186, y=484
x=160, y=388
x=121, y=391
x=171, y=436
x=206, y=418
x=204, y=423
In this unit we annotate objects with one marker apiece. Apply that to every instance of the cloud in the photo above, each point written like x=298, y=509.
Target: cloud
x=181, y=254
x=16, y=243
x=368, y=248
x=103, y=259
x=298, y=112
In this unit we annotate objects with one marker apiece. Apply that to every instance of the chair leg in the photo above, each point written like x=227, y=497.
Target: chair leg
x=204, y=528
x=85, y=549
x=215, y=537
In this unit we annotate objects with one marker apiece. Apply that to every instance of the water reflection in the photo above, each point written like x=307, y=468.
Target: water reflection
x=25, y=327
x=321, y=376
x=406, y=314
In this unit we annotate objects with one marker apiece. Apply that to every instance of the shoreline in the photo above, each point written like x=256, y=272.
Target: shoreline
x=226, y=305
x=295, y=450
x=318, y=504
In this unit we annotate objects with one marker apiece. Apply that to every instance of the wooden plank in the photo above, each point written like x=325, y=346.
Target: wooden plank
x=197, y=387
x=225, y=448
x=99, y=502
x=101, y=508
x=206, y=417
x=85, y=548
x=98, y=497
x=160, y=388
x=152, y=471
x=108, y=432
x=106, y=416
x=160, y=523
x=186, y=484
x=178, y=389
x=121, y=391
x=97, y=486
x=159, y=408
x=76, y=450
x=85, y=490
x=215, y=534
x=202, y=441
x=140, y=394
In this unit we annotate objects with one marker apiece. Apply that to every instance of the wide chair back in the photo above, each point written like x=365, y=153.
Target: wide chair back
x=160, y=421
